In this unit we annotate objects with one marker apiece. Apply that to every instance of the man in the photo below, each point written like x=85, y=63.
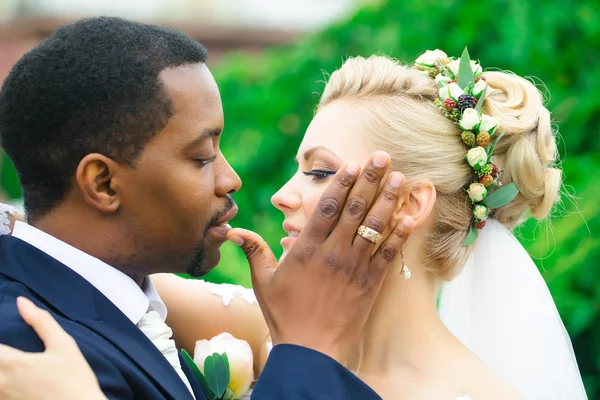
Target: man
x=114, y=128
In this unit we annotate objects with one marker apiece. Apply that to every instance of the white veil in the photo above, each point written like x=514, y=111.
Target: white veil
x=500, y=307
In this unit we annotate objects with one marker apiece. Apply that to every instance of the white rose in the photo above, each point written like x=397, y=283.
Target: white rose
x=442, y=78
x=477, y=156
x=455, y=91
x=241, y=360
x=443, y=93
x=479, y=87
x=429, y=57
x=477, y=192
x=481, y=212
x=454, y=65
x=469, y=119
x=488, y=124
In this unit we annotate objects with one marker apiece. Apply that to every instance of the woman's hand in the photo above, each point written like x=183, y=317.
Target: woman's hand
x=60, y=372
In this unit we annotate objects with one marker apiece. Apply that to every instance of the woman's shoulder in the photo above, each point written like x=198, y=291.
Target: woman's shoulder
x=481, y=382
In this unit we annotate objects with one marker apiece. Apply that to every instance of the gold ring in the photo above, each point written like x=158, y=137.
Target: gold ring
x=370, y=234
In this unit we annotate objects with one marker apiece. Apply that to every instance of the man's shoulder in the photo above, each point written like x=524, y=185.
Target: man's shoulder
x=14, y=331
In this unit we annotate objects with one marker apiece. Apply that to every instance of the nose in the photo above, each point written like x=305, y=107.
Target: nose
x=227, y=181
x=287, y=198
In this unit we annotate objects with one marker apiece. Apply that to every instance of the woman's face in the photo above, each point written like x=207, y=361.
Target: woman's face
x=332, y=140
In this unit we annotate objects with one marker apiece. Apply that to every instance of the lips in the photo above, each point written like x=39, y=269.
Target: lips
x=292, y=234
x=217, y=232
x=291, y=229
x=227, y=217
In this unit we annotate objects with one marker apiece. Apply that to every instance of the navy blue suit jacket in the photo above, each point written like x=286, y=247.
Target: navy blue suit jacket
x=126, y=363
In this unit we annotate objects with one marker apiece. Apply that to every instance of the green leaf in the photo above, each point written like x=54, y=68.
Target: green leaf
x=501, y=197
x=217, y=374
x=226, y=365
x=468, y=88
x=226, y=360
x=228, y=395
x=198, y=375
x=480, y=100
x=465, y=72
x=471, y=237
x=492, y=147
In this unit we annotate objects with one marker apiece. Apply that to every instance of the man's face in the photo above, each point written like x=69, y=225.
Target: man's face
x=176, y=200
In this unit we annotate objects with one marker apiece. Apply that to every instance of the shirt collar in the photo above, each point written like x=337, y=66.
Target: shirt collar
x=120, y=289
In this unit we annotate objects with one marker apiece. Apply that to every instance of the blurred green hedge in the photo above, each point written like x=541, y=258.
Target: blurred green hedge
x=269, y=99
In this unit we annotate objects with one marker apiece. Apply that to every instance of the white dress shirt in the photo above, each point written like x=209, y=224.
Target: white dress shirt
x=119, y=288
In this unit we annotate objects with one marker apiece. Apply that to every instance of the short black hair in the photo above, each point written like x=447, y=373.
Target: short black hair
x=91, y=87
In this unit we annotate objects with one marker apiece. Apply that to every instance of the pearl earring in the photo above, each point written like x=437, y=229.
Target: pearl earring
x=405, y=273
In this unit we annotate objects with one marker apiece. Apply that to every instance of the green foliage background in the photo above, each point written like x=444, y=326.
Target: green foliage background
x=269, y=100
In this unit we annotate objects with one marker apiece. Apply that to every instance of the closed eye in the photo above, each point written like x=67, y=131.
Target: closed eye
x=319, y=174
x=206, y=161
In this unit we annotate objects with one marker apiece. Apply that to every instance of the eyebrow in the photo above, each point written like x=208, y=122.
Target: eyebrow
x=208, y=132
x=308, y=153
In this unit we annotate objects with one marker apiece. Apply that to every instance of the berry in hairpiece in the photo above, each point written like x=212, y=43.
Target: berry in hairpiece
x=487, y=180
x=466, y=101
x=495, y=171
x=468, y=138
x=450, y=104
x=483, y=139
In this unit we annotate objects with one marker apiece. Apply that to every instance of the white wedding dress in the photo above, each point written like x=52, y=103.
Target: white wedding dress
x=499, y=307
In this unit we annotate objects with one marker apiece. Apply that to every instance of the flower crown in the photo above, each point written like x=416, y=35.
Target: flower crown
x=461, y=92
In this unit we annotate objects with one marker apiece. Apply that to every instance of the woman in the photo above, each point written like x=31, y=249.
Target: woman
x=406, y=350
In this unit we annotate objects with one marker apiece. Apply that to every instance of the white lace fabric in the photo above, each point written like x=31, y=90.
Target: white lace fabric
x=228, y=292
x=5, y=211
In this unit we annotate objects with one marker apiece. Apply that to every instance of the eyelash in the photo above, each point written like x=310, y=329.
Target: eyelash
x=319, y=175
x=207, y=161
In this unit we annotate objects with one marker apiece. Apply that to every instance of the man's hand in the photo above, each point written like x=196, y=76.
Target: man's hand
x=60, y=372
x=322, y=292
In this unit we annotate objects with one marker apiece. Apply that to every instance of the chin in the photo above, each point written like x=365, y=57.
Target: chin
x=213, y=258
x=203, y=265
x=283, y=255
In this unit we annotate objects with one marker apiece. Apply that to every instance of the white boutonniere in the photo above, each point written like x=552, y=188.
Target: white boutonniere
x=223, y=365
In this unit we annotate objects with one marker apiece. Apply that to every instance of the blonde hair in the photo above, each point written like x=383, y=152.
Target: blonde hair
x=402, y=119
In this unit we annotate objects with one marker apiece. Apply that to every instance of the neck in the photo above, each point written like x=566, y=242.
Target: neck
x=95, y=237
x=404, y=333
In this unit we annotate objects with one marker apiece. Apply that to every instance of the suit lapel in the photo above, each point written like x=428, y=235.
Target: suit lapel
x=75, y=298
x=198, y=392
x=118, y=329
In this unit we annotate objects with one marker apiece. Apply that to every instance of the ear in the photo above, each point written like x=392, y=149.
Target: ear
x=96, y=180
x=417, y=202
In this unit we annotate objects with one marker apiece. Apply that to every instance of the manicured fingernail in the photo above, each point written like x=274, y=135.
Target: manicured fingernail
x=396, y=180
x=25, y=303
x=408, y=222
x=237, y=240
x=381, y=159
x=353, y=168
